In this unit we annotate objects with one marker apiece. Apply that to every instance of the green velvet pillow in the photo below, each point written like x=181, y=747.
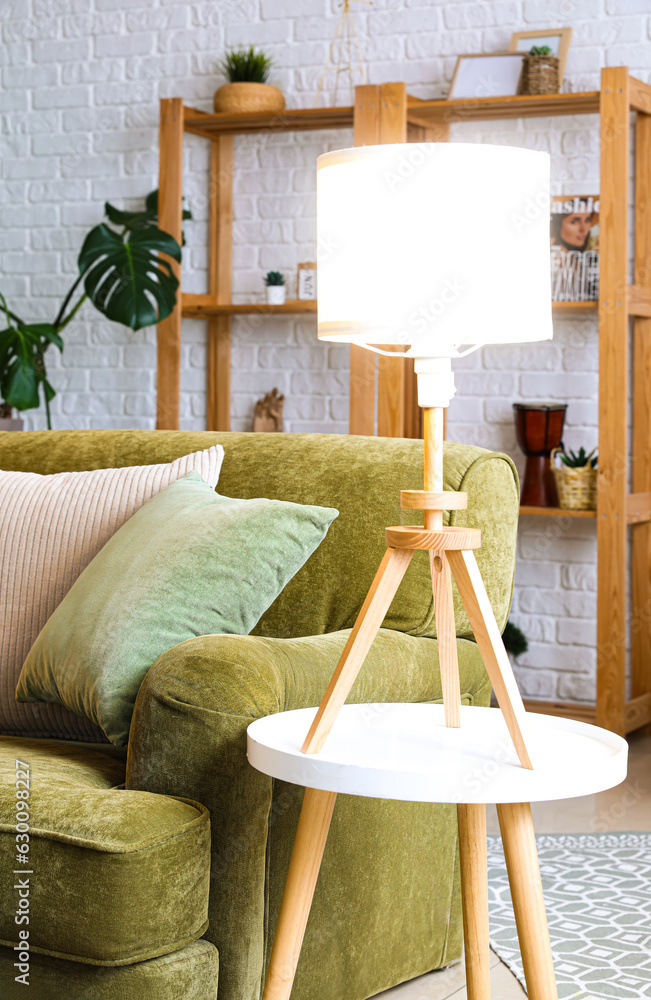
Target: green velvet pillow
x=188, y=563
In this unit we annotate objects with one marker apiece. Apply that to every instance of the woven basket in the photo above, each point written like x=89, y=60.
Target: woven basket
x=541, y=75
x=577, y=488
x=240, y=98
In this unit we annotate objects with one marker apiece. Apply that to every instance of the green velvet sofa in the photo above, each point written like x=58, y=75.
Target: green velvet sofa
x=149, y=864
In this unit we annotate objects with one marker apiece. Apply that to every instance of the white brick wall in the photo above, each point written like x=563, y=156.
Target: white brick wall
x=81, y=81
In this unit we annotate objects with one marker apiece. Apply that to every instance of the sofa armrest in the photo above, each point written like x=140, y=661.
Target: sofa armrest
x=188, y=737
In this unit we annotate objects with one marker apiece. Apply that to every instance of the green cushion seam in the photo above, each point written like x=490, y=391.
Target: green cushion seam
x=141, y=847
x=444, y=950
x=210, y=953
x=144, y=956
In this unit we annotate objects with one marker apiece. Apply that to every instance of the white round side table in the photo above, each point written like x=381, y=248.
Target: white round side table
x=406, y=752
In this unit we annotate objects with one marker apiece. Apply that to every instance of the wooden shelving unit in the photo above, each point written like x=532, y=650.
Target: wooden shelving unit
x=385, y=113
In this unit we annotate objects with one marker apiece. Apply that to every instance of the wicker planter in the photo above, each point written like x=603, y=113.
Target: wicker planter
x=577, y=488
x=541, y=75
x=240, y=98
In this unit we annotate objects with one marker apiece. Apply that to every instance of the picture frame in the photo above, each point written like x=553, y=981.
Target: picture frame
x=558, y=40
x=306, y=281
x=487, y=74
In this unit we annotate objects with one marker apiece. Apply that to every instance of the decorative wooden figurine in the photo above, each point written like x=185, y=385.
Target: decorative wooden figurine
x=268, y=413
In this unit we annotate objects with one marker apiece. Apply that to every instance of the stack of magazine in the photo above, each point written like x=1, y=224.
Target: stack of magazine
x=575, y=248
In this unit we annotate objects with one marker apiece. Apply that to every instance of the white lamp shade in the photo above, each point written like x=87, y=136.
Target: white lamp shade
x=435, y=245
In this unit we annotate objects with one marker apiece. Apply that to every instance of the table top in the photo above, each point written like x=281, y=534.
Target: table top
x=406, y=752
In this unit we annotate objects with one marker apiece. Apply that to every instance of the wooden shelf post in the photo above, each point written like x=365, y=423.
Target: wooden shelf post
x=380, y=116
x=218, y=417
x=361, y=405
x=641, y=540
x=613, y=401
x=170, y=208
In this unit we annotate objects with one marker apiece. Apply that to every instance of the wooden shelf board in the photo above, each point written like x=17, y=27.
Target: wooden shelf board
x=487, y=108
x=289, y=120
x=198, y=306
x=575, y=307
x=556, y=512
x=637, y=711
x=419, y=113
x=564, y=709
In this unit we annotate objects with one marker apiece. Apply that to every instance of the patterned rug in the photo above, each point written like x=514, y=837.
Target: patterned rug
x=598, y=896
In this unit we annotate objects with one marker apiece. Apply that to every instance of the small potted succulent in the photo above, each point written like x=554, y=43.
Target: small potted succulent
x=247, y=90
x=576, y=479
x=541, y=71
x=276, y=290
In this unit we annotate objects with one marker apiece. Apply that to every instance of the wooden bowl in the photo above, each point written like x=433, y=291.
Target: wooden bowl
x=240, y=98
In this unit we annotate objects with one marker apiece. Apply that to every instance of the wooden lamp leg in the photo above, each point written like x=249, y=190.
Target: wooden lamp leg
x=487, y=636
x=311, y=836
x=474, y=897
x=446, y=634
x=521, y=856
x=383, y=589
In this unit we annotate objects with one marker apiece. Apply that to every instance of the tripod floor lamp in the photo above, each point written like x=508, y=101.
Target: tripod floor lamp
x=438, y=248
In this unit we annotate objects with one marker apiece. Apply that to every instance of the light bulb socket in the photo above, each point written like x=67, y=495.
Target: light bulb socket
x=435, y=381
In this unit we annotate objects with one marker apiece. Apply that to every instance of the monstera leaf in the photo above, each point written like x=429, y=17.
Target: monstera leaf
x=21, y=363
x=124, y=276
x=140, y=220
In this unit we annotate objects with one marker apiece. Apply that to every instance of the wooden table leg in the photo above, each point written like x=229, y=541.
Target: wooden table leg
x=521, y=856
x=311, y=836
x=474, y=896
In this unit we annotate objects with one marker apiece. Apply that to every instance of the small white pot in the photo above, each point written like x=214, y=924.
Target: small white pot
x=11, y=424
x=276, y=295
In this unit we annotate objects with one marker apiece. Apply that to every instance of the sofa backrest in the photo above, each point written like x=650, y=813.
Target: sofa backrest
x=360, y=476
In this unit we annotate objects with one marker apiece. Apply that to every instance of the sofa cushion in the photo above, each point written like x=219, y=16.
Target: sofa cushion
x=188, y=974
x=190, y=562
x=360, y=476
x=117, y=876
x=51, y=526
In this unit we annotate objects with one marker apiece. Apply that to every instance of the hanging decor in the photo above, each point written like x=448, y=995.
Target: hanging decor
x=344, y=55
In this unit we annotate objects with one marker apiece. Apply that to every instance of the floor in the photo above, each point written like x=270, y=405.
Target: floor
x=627, y=807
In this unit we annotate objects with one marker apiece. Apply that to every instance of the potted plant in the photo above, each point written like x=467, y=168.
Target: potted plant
x=275, y=283
x=247, y=90
x=576, y=479
x=541, y=71
x=124, y=277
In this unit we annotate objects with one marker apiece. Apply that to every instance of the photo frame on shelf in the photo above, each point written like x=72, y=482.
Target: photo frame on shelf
x=558, y=40
x=306, y=281
x=487, y=74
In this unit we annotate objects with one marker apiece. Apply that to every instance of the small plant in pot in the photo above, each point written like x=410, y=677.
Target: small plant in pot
x=276, y=290
x=576, y=478
x=247, y=90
